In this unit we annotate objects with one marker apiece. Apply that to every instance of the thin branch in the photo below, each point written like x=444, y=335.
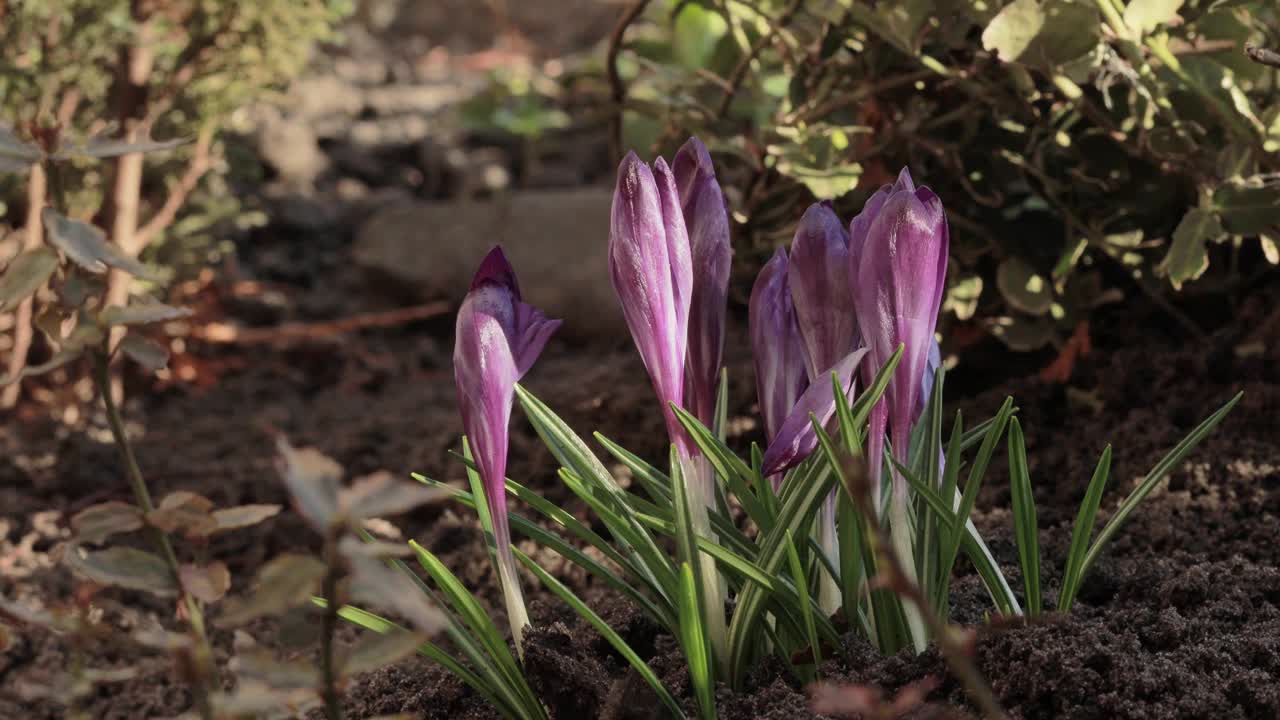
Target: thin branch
x=740, y=70
x=291, y=332
x=616, y=86
x=168, y=212
x=1262, y=55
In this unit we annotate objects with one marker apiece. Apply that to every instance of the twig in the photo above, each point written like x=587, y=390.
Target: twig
x=142, y=496
x=196, y=170
x=953, y=649
x=618, y=89
x=23, y=332
x=740, y=70
x=221, y=332
x=1262, y=55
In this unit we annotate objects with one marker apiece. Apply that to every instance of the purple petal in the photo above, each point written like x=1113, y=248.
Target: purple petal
x=692, y=167
x=708, y=226
x=640, y=268
x=679, y=256
x=819, y=279
x=776, y=345
x=495, y=269
x=796, y=439
x=532, y=331
x=485, y=372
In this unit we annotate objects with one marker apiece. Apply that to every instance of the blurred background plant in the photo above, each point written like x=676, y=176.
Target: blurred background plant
x=1088, y=150
x=129, y=69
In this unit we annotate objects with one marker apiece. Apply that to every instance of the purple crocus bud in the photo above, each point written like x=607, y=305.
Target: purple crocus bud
x=898, y=285
x=650, y=268
x=707, y=222
x=776, y=345
x=498, y=338
x=796, y=439
x=819, y=279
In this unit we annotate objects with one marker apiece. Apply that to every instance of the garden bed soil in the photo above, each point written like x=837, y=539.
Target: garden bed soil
x=1179, y=619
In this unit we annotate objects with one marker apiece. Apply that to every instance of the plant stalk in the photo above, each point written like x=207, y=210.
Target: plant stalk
x=329, y=625
x=142, y=496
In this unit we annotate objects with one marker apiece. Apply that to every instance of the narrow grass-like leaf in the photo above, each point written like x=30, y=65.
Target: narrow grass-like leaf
x=543, y=537
x=800, y=503
x=481, y=508
x=376, y=623
x=608, y=633
x=1082, y=530
x=693, y=638
x=726, y=464
x=654, y=481
x=1025, y=527
x=800, y=580
x=721, y=423
x=849, y=538
x=1153, y=478
x=950, y=479
x=477, y=620
x=976, y=474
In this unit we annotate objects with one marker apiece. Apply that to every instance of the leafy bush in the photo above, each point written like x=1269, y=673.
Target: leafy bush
x=1087, y=148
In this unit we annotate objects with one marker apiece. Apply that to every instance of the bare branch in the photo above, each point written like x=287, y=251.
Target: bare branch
x=619, y=90
x=168, y=212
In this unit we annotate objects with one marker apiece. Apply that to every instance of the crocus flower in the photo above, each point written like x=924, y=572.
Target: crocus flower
x=707, y=223
x=776, y=346
x=819, y=279
x=931, y=365
x=498, y=338
x=649, y=264
x=898, y=281
x=796, y=439
x=669, y=263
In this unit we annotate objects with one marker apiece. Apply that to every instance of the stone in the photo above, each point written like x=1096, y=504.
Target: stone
x=291, y=148
x=557, y=240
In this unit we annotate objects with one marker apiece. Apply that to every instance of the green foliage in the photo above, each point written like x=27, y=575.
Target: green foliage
x=67, y=61
x=1053, y=129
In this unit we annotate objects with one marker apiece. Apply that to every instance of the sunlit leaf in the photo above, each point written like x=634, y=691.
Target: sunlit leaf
x=123, y=567
x=25, y=275
x=375, y=584
x=1143, y=16
x=87, y=246
x=381, y=493
x=142, y=314
x=1187, y=258
x=263, y=666
x=97, y=147
x=962, y=297
x=148, y=353
x=1012, y=30
x=254, y=698
x=284, y=582
x=1024, y=288
x=183, y=510
x=208, y=583
x=378, y=650
x=312, y=479
x=242, y=516
x=15, y=153
x=59, y=359
x=1248, y=211
x=99, y=522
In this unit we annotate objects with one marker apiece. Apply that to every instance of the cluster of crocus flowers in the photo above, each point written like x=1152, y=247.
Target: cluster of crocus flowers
x=838, y=296
x=497, y=340
x=839, y=304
